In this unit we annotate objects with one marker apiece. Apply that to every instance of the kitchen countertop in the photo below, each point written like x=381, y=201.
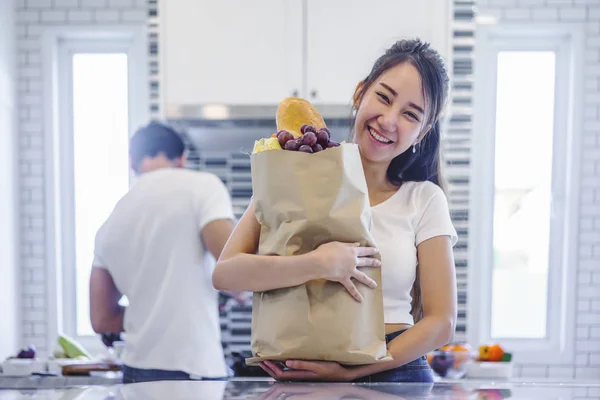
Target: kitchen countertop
x=266, y=390
x=57, y=382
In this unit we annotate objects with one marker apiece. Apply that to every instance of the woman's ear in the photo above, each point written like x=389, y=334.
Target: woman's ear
x=357, y=94
x=423, y=133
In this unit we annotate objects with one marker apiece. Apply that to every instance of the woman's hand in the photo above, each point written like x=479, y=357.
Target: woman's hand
x=339, y=262
x=308, y=371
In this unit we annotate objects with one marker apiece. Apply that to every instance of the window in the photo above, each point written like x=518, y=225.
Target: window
x=524, y=189
x=100, y=157
x=522, y=193
x=99, y=99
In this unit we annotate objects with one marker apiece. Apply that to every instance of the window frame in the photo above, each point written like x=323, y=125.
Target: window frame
x=61, y=44
x=567, y=41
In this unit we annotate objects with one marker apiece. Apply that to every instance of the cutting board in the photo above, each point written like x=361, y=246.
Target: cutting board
x=84, y=368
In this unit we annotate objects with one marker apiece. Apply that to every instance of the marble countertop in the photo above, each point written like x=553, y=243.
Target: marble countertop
x=57, y=382
x=268, y=390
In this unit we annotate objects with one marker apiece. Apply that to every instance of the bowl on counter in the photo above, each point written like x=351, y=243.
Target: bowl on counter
x=452, y=361
x=23, y=367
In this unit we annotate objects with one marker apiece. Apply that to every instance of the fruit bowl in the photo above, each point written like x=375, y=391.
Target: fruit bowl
x=452, y=361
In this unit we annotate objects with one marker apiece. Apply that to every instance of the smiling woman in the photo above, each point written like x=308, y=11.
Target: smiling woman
x=397, y=108
x=392, y=101
x=402, y=86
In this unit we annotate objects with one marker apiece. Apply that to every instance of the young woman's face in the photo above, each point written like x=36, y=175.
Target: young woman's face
x=390, y=115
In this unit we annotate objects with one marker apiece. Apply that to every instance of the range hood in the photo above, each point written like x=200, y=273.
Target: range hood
x=221, y=112
x=237, y=132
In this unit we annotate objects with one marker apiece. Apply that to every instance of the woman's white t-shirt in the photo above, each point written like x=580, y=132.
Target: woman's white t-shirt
x=416, y=212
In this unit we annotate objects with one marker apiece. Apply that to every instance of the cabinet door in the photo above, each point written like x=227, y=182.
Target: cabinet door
x=345, y=37
x=229, y=51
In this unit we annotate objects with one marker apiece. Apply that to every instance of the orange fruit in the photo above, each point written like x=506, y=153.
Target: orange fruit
x=495, y=353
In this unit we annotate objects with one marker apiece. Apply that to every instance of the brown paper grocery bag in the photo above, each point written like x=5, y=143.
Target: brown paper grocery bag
x=302, y=201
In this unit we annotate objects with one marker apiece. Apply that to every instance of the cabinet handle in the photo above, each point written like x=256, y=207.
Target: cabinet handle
x=314, y=94
x=295, y=93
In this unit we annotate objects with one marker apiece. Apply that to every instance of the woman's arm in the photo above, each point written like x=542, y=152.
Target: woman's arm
x=240, y=268
x=438, y=288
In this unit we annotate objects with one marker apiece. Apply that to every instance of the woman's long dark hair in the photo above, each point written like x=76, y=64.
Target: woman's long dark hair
x=425, y=163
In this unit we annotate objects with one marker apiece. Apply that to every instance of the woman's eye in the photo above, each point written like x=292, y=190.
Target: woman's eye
x=412, y=115
x=383, y=97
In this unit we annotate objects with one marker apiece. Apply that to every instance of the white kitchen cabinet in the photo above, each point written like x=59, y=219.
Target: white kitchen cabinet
x=239, y=52
x=229, y=51
x=345, y=37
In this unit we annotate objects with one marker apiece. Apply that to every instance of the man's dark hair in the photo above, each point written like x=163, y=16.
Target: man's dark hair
x=153, y=139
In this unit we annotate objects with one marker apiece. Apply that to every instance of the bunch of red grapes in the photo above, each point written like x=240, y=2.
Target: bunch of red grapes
x=311, y=141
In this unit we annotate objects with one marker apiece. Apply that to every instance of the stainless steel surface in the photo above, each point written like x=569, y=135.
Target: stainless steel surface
x=233, y=112
x=261, y=389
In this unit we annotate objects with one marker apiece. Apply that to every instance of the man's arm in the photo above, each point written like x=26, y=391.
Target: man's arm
x=215, y=235
x=105, y=312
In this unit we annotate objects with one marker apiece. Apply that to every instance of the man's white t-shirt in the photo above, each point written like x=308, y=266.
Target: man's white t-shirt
x=151, y=245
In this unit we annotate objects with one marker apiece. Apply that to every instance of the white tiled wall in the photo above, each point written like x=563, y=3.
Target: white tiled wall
x=586, y=13
x=33, y=17
x=9, y=290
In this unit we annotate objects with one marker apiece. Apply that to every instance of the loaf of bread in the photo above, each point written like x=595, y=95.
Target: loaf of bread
x=293, y=112
x=300, y=127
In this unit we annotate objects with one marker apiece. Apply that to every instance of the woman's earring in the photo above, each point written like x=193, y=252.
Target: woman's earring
x=414, y=148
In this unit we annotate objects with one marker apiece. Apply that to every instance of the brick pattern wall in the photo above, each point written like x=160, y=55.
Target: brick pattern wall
x=456, y=148
x=9, y=288
x=33, y=17
x=586, y=13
